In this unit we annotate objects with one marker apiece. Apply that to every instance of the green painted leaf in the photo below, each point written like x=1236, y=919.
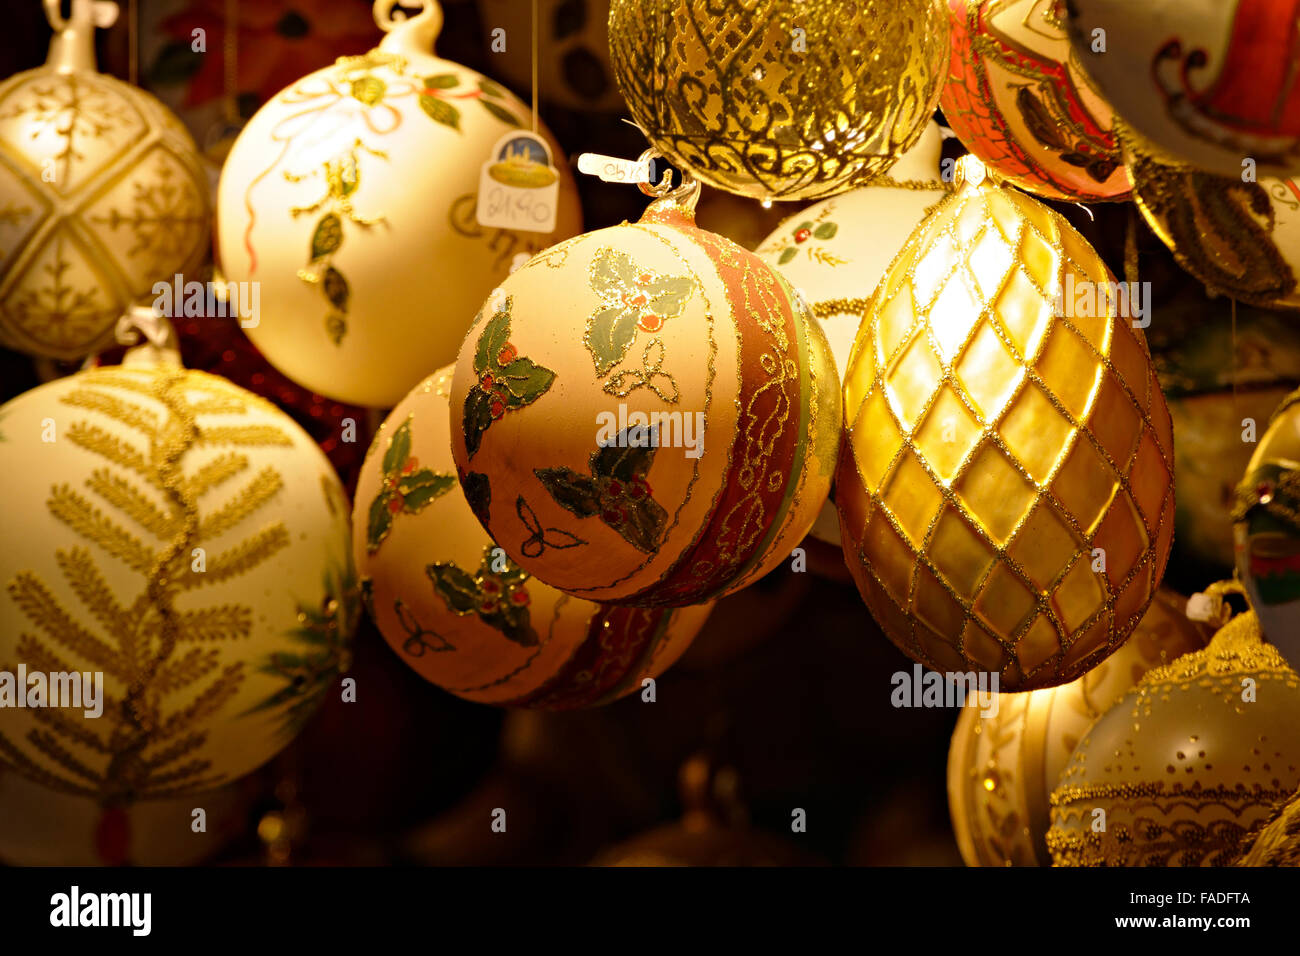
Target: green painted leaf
x=399, y=448
x=493, y=338
x=644, y=524
x=806, y=224
x=441, y=81
x=441, y=111
x=336, y=289
x=489, y=88
x=368, y=89
x=526, y=381
x=478, y=492
x=455, y=586
x=624, y=464
x=571, y=491
x=826, y=230
x=515, y=624
x=786, y=255
x=501, y=113
x=477, y=418
x=422, y=487
x=669, y=295
x=612, y=271
x=336, y=327
x=610, y=333
x=327, y=237
x=380, y=522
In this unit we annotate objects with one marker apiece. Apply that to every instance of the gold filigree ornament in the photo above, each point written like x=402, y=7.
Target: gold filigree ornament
x=350, y=199
x=777, y=99
x=1187, y=764
x=1277, y=842
x=1241, y=238
x=1006, y=487
x=1003, y=766
x=102, y=194
x=167, y=532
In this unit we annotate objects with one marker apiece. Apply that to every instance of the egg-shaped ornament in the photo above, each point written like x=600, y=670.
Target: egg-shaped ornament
x=102, y=195
x=1008, y=750
x=1006, y=486
x=646, y=414
x=1239, y=236
x=1018, y=99
x=1187, y=764
x=178, y=585
x=1278, y=842
x=1207, y=82
x=347, y=215
x=464, y=616
x=779, y=99
x=1267, y=530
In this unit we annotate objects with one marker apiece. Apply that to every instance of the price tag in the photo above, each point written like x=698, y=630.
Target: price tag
x=518, y=187
x=611, y=169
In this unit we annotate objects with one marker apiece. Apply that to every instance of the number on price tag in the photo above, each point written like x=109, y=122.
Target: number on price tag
x=519, y=187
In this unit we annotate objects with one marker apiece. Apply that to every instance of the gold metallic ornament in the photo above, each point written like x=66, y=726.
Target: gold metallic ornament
x=777, y=99
x=1006, y=487
x=1187, y=764
x=1278, y=841
x=102, y=194
x=1002, y=768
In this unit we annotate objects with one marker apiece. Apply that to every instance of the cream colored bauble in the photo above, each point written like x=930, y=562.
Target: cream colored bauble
x=1003, y=767
x=573, y=68
x=102, y=194
x=1187, y=763
x=349, y=199
x=462, y=614
x=646, y=414
x=190, y=542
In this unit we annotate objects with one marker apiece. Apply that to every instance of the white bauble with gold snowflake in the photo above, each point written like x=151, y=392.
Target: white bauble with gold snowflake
x=101, y=195
x=188, y=541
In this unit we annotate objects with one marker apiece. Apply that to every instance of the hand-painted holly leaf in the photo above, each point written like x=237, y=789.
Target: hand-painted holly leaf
x=455, y=586
x=440, y=111
x=526, y=381
x=336, y=289
x=501, y=113
x=478, y=492
x=826, y=230
x=493, y=338
x=489, y=88
x=477, y=418
x=571, y=491
x=442, y=81
x=399, y=448
x=423, y=486
x=788, y=253
x=610, y=333
x=643, y=525
x=1038, y=120
x=624, y=463
x=380, y=522
x=515, y=625
x=669, y=295
x=327, y=237
x=612, y=271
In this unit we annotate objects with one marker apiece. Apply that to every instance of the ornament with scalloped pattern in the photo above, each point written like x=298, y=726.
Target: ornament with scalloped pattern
x=102, y=194
x=1278, y=842
x=1190, y=761
x=1006, y=485
x=459, y=612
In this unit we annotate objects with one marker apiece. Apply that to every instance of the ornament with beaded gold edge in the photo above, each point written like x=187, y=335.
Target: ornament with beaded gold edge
x=778, y=99
x=459, y=612
x=1278, y=842
x=1187, y=763
x=1006, y=484
x=349, y=200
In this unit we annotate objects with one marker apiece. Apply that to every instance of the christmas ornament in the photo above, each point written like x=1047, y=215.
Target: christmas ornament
x=102, y=194
x=1018, y=99
x=1190, y=760
x=1241, y=238
x=1006, y=487
x=350, y=198
x=573, y=68
x=463, y=615
x=1267, y=533
x=646, y=414
x=777, y=99
x=1002, y=768
x=185, y=539
x=1207, y=82
x=1278, y=842
x=43, y=827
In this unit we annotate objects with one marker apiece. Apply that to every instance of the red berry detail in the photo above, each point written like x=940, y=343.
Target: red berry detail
x=498, y=409
x=486, y=381
x=519, y=597
x=802, y=235
x=615, y=487
x=650, y=322
x=410, y=465
x=612, y=516
x=491, y=586
x=395, y=504
x=507, y=355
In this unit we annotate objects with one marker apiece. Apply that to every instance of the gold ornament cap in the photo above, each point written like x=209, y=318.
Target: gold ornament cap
x=72, y=47
x=407, y=36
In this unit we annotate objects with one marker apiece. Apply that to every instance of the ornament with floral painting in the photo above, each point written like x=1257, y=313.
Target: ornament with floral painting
x=453, y=606
x=351, y=192
x=686, y=438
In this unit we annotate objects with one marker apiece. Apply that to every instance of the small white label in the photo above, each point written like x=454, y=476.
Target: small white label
x=518, y=187
x=611, y=169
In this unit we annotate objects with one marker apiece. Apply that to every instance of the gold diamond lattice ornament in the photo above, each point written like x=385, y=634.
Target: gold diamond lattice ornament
x=1006, y=490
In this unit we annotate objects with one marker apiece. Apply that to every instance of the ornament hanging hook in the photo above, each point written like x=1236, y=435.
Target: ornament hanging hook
x=408, y=34
x=686, y=192
x=73, y=45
